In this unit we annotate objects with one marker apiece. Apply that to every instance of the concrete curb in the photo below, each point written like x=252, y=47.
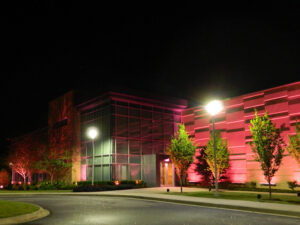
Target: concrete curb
x=40, y=213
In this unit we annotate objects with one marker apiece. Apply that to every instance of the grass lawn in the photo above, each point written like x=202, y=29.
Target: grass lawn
x=33, y=191
x=276, y=198
x=10, y=208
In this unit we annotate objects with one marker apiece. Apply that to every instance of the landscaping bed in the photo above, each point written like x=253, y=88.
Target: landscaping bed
x=264, y=197
x=86, y=186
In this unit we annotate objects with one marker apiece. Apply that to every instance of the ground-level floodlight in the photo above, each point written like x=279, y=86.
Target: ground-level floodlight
x=92, y=133
x=213, y=108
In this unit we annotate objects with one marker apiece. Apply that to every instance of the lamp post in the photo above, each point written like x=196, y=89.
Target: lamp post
x=213, y=108
x=12, y=172
x=92, y=134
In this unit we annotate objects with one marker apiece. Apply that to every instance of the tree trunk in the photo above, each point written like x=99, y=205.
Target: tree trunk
x=181, y=183
x=24, y=184
x=270, y=190
x=51, y=178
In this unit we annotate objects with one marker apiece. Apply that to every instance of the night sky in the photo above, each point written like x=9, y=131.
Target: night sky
x=49, y=51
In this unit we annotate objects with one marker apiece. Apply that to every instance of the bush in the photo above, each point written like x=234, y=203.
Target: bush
x=4, y=178
x=292, y=185
x=46, y=185
x=86, y=183
x=86, y=186
x=251, y=184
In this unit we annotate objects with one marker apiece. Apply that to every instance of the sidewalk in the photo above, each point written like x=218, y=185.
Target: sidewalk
x=158, y=193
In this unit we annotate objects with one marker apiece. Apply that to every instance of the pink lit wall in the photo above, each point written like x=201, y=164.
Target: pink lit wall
x=283, y=106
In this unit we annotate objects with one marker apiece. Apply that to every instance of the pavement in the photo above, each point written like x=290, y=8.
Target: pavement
x=159, y=194
x=107, y=210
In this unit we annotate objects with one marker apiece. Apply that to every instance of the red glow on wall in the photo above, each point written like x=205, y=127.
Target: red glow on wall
x=283, y=106
x=83, y=172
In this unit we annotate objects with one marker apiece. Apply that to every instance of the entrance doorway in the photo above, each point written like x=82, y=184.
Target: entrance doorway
x=166, y=173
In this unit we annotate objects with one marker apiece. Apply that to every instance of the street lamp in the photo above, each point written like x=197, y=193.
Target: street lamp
x=92, y=133
x=213, y=108
x=12, y=172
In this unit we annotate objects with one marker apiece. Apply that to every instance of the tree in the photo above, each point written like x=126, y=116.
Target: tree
x=25, y=151
x=54, y=164
x=267, y=145
x=22, y=156
x=294, y=144
x=181, y=152
x=222, y=155
x=202, y=168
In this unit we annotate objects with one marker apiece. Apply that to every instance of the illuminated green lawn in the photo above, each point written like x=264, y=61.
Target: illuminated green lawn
x=33, y=191
x=276, y=198
x=10, y=208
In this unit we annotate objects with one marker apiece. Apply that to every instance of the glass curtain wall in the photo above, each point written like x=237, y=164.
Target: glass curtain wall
x=99, y=118
x=138, y=130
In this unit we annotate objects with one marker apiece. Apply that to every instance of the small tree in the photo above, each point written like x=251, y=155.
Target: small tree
x=267, y=145
x=222, y=155
x=294, y=144
x=202, y=168
x=54, y=164
x=22, y=156
x=181, y=152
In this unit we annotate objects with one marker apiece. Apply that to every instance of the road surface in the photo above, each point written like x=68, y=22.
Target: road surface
x=67, y=210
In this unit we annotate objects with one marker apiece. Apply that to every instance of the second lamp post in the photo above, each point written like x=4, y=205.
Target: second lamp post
x=213, y=108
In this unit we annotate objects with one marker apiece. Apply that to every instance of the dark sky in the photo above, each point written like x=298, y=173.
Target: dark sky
x=48, y=51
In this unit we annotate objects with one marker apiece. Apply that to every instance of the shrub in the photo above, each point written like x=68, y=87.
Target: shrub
x=4, y=178
x=292, y=185
x=86, y=183
x=86, y=186
x=33, y=187
x=251, y=184
x=46, y=186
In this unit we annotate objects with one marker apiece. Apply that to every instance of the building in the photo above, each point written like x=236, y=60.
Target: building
x=134, y=133
x=135, y=130
x=283, y=106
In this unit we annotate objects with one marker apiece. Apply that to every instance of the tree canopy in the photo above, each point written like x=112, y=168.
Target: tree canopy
x=222, y=154
x=182, y=151
x=294, y=144
x=267, y=145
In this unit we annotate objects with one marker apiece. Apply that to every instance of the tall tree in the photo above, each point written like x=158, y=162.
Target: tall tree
x=294, y=144
x=22, y=156
x=267, y=145
x=25, y=151
x=181, y=151
x=222, y=155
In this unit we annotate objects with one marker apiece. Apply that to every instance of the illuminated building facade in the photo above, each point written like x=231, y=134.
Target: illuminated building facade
x=283, y=106
x=135, y=129
x=133, y=136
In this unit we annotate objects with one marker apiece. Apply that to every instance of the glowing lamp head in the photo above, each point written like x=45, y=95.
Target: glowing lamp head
x=214, y=107
x=92, y=132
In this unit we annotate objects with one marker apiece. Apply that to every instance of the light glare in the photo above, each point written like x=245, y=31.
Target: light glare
x=214, y=107
x=92, y=132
